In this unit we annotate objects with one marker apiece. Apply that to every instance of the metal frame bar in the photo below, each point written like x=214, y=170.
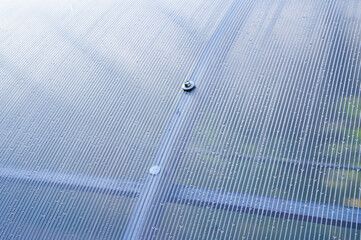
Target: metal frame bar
x=343, y=216
x=284, y=161
x=270, y=206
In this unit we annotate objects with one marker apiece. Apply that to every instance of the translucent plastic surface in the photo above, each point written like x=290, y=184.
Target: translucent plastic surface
x=99, y=141
x=276, y=114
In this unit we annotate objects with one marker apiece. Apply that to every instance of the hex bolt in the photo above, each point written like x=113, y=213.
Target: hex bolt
x=188, y=85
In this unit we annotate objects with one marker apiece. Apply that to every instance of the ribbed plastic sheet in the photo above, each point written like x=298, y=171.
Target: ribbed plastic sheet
x=265, y=147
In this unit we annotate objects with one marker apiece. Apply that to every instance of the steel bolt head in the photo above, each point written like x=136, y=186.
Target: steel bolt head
x=188, y=85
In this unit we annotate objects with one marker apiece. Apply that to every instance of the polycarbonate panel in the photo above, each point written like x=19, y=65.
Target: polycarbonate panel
x=89, y=87
x=35, y=211
x=87, y=90
x=272, y=129
x=265, y=147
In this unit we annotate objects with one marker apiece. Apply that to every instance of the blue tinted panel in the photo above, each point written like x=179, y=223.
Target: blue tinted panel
x=99, y=141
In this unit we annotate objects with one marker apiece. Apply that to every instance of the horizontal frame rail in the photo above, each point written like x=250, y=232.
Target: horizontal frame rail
x=285, y=161
x=336, y=215
x=269, y=206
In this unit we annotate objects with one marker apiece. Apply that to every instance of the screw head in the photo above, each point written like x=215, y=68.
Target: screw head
x=188, y=85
